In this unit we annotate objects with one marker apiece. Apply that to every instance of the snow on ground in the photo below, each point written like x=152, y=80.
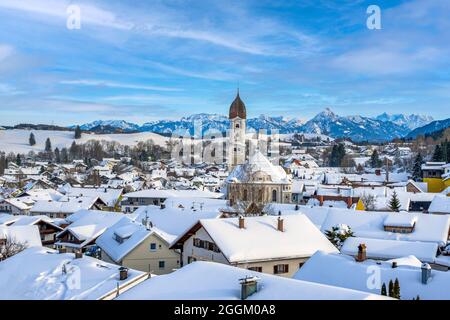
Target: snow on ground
x=37, y=274
x=215, y=281
x=17, y=140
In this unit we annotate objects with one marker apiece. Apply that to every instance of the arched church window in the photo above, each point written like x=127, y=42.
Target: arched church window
x=274, y=195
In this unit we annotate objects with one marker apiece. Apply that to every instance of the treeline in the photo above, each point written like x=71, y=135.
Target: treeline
x=442, y=152
x=91, y=150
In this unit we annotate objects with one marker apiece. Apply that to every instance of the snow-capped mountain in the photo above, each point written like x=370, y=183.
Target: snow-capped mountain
x=430, y=128
x=119, y=124
x=357, y=128
x=411, y=121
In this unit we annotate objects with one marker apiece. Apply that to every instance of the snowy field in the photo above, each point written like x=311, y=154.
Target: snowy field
x=17, y=140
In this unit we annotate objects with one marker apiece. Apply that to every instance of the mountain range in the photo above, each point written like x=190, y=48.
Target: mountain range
x=384, y=127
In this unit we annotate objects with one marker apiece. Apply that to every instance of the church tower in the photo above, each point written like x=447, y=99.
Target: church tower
x=238, y=116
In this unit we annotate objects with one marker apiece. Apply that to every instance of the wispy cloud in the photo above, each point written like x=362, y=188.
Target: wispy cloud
x=110, y=84
x=5, y=51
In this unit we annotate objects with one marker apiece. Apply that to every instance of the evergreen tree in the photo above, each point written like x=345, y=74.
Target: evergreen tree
x=375, y=161
x=438, y=155
x=383, y=289
x=337, y=155
x=394, y=203
x=57, y=155
x=397, y=289
x=64, y=155
x=77, y=132
x=391, y=289
x=3, y=164
x=417, y=169
x=18, y=160
x=32, y=139
x=48, y=145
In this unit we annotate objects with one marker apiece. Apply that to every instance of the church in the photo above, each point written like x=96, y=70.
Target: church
x=253, y=180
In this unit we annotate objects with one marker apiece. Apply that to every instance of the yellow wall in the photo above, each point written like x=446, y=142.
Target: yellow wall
x=435, y=185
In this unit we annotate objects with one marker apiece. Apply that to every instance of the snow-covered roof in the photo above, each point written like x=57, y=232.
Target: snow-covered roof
x=166, y=193
x=37, y=274
x=440, y=204
x=28, y=235
x=108, y=196
x=91, y=226
x=261, y=240
x=132, y=234
x=343, y=271
x=215, y=281
x=368, y=224
x=65, y=205
x=175, y=221
x=258, y=163
x=391, y=249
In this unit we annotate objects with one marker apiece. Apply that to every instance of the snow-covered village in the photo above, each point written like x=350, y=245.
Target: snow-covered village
x=217, y=203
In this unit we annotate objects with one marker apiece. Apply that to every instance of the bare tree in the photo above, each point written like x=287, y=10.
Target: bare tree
x=369, y=202
x=10, y=247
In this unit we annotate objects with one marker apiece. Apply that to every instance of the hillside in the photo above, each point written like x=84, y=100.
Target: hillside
x=16, y=140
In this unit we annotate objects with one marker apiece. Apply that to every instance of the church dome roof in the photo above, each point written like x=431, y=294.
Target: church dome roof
x=237, y=108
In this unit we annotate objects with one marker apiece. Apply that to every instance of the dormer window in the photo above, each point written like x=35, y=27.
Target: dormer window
x=120, y=239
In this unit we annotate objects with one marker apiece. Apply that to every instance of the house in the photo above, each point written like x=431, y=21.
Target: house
x=82, y=234
x=380, y=249
x=65, y=206
x=24, y=235
x=41, y=273
x=47, y=229
x=265, y=244
x=440, y=205
x=415, y=279
x=142, y=247
x=382, y=225
x=109, y=197
x=133, y=200
x=15, y=206
x=214, y=281
x=432, y=174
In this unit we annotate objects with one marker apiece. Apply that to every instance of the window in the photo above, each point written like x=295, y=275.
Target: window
x=280, y=268
x=274, y=195
x=162, y=264
x=257, y=269
x=152, y=246
x=237, y=125
x=205, y=245
x=245, y=195
x=300, y=265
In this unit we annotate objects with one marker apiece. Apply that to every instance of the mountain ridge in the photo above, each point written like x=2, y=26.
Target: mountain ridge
x=384, y=127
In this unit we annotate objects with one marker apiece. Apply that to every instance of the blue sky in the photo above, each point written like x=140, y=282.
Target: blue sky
x=147, y=60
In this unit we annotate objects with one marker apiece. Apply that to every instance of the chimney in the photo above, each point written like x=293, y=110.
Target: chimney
x=123, y=273
x=78, y=255
x=362, y=253
x=280, y=226
x=426, y=273
x=394, y=264
x=241, y=222
x=249, y=285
